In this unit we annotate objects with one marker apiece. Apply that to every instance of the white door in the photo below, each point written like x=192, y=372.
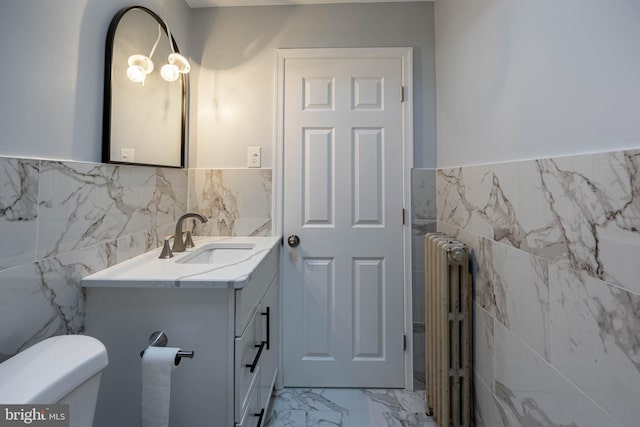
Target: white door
x=343, y=287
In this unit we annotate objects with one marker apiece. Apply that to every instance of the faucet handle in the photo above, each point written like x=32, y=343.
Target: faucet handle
x=166, y=248
x=188, y=241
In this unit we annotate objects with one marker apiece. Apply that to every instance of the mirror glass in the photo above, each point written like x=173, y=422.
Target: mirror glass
x=144, y=121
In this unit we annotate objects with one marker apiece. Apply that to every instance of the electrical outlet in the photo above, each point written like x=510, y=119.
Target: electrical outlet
x=253, y=157
x=126, y=154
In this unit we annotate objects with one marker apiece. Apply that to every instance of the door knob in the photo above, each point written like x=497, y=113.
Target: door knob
x=293, y=240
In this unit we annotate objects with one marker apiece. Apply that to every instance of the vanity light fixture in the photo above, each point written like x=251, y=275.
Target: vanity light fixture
x=177, y=65
x=140, y=65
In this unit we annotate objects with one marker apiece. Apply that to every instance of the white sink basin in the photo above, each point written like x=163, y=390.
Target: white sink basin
x=219, y=253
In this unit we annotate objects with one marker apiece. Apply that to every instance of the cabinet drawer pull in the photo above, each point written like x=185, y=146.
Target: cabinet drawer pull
x=268, y=314
x=257, y=358
x=260, y=415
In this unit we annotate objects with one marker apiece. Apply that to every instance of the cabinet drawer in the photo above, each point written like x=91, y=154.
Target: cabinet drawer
x=269, y=311
x=248, y=298
x=249, y=349
x=253, y=414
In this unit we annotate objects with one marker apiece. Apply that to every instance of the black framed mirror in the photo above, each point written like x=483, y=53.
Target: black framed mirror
x=145, y=103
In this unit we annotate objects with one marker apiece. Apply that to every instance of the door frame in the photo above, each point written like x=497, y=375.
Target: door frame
x=405, y=54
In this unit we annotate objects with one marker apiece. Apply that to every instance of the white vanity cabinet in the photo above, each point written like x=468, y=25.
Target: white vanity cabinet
x=233, y=330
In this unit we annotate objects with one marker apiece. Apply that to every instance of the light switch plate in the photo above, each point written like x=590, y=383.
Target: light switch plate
x=253, y=157
x=126, y=154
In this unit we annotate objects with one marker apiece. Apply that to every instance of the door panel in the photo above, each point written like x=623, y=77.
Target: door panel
x=368, y=309
x=368, y=179
x=318, y=308
x=318, y=177
x=343, y=287
x=367, y=93
x=318, y=94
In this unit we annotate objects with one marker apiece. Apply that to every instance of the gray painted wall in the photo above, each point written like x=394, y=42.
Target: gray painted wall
x=52, y=92
x=531, y=79
x=233, y=89
x=52, y=79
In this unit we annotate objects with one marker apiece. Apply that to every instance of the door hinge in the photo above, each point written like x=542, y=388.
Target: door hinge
x=404, y=343
x=403, y=221
x=402, y=94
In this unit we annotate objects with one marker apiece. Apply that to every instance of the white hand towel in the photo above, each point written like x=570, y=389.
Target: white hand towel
x=157, y=365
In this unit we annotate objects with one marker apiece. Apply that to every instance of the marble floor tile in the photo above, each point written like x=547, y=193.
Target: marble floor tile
x=348, y=408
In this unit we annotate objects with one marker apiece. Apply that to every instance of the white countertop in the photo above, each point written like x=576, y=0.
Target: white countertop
x=147, y=270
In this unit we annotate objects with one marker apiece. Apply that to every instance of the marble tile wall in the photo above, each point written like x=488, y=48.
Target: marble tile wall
x=555, y=247
x=61, y=221
x=423, y=220
x=236, y=201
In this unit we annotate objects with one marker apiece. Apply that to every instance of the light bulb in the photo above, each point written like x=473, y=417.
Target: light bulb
x=139, y=67
x=170, y=72
x=136, y=74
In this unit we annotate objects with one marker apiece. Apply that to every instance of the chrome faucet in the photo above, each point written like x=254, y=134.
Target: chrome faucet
x=178, y=242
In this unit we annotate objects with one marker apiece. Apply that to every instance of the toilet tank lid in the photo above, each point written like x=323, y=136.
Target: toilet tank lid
x=50, y=369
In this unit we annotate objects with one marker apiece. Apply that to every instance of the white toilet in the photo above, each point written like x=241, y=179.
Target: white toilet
x=62, y=369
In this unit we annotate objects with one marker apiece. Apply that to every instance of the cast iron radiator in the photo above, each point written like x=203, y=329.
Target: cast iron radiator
x=448, y=331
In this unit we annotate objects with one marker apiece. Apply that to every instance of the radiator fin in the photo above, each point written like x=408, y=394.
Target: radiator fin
x=448, y=331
